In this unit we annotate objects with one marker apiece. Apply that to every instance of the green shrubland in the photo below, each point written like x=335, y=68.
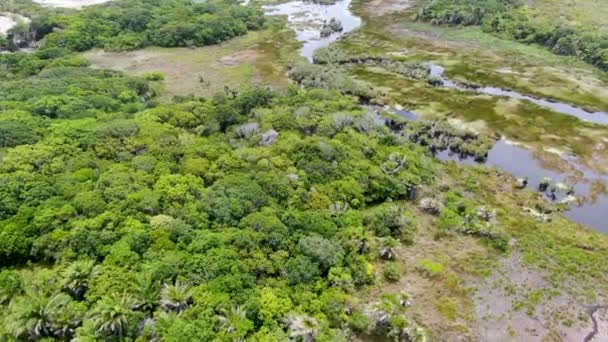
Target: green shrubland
x=511, y=19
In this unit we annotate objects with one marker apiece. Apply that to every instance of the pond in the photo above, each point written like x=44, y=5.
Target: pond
x=306, y=18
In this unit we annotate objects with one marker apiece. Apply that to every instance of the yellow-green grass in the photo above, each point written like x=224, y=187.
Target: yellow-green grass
x=578, y=13
x=258, y=57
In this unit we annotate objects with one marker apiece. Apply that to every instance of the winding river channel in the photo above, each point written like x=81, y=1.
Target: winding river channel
x=306, y=19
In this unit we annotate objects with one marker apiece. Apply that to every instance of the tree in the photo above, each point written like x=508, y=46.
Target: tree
x=176, y=297
x=14, y=133
x=11, y=284
x=146, y=292
x=325, y=252
x=301, y=270
x=32, y=315
x=302, y=327
x=77, y=276
x=110, y=316
x=234, y=322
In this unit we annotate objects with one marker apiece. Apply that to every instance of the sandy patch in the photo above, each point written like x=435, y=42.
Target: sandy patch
x=506, y=311
x=384, y=7
x=248, y=55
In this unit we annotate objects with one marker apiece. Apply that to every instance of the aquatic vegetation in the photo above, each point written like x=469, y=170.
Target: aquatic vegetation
x=332, y=26
x=331, y=78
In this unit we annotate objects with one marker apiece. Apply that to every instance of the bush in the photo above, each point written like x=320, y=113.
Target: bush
x=392, y=272
x=430, y=269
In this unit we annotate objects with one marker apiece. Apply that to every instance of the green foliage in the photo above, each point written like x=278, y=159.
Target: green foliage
x=132, y=24
x=462, y=12
x=392, y=220
x=392, y=272
x=508, y=18
x=14, y=133
x=520, y=24
x=318, y=76
x=122, y=218
x=430, y=268
x=447, y=307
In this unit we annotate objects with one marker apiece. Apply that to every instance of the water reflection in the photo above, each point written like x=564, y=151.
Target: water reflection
x=306, y=19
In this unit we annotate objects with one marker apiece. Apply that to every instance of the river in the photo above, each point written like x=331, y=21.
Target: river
x=306, y=19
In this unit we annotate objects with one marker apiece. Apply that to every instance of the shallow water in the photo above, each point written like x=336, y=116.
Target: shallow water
x=69, y=3
x=560, y=107
x=306, y=19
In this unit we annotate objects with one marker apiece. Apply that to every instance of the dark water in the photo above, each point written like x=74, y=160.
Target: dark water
x=560, y=107
x=306, y=19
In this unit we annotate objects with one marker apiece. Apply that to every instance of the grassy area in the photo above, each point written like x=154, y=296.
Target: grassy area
x=459, y=287
x=580, y=13
x=256, y=58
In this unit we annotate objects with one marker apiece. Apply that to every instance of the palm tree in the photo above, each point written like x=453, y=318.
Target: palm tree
x=302, y=327
x=31, y=316
x=232, y=319
x=176, y=297
x=147, y=293
x=77, y=276
x=111, y=316
x=11, y=284
x=66, y=317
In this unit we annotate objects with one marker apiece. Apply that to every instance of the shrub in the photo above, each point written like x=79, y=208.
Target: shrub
x=430, y=268
x=392, y=272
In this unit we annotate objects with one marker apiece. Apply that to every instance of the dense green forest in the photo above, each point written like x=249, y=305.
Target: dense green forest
x=132, y=24
x=238, y=216
x=249, y=215
x=509, y=18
